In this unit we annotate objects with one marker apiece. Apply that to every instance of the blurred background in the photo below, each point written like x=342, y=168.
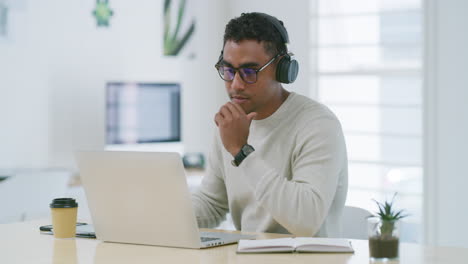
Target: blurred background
x=139, y=75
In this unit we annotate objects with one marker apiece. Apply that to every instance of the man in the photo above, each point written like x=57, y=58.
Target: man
x=278, y=162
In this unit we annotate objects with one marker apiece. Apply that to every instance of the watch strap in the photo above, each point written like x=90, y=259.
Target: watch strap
x=242, y=154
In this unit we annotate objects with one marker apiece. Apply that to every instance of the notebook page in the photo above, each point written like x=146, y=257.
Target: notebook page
x=323, y=244
x=254, y=245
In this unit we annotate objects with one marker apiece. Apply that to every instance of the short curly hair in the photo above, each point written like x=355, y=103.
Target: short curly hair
x=255, y=26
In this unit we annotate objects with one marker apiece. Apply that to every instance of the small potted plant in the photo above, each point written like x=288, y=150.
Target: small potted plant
x=383, y=231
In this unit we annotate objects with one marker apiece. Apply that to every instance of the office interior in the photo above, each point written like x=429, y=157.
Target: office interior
x=56, y=62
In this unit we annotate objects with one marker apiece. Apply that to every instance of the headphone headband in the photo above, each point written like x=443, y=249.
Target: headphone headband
x=277, y=24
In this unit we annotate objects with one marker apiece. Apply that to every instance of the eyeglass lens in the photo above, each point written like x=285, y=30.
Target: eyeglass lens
x=247, y=74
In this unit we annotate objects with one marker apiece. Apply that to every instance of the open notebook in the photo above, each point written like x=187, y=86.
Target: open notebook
x=298, y=244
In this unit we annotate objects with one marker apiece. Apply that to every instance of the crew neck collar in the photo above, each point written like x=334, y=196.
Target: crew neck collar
x=278, y=113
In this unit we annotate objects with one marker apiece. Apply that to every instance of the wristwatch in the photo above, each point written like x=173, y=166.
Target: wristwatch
x=243, y=153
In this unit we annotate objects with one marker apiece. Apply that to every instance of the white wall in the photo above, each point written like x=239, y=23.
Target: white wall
x=207, y=89
x=24, y=92
x=55, y=64
x=446, y=123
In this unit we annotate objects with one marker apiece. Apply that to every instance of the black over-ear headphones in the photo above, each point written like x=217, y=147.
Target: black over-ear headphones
x=287, y=67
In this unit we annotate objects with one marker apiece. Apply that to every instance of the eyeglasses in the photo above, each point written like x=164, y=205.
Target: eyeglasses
x=248, y=75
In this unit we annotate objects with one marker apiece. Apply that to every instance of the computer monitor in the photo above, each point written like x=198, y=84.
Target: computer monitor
x=142, y=112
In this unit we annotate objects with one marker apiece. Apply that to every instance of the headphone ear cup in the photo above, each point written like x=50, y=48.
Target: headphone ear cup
x=293, y=70
x=281, y=70
x=287, y=70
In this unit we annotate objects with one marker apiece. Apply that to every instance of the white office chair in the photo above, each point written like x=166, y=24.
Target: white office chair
x=354, y=222
x=26, y=195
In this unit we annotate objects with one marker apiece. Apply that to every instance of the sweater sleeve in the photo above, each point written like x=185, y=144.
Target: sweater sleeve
x=210, y=200
x=301, y=204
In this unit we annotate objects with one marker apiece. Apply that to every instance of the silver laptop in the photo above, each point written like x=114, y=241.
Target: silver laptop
x=143, y=198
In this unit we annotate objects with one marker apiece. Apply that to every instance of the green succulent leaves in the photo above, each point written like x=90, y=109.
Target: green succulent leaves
x=388, y=217
x=173, y=40
x=386, y=212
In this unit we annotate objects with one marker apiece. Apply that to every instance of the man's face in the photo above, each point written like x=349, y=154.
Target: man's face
x=257, y=97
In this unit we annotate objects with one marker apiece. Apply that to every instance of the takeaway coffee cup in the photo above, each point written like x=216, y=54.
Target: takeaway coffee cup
x=64, y=211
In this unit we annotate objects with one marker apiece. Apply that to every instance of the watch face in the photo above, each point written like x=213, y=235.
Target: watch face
x=247, y=149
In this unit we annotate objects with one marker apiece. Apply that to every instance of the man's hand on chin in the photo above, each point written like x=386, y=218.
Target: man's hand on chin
x=233, y=124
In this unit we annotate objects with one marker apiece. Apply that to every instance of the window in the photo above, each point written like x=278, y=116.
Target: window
x=366, y=57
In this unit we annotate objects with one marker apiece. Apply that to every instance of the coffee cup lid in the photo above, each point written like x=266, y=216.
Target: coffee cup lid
x=63, y=203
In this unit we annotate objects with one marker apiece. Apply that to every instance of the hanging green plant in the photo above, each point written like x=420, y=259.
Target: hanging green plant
x=173, y=41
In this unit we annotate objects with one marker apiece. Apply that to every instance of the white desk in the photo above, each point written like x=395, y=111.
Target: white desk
x=22, y=243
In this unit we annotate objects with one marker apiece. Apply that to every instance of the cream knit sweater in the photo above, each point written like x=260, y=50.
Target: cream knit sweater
x=294, y=182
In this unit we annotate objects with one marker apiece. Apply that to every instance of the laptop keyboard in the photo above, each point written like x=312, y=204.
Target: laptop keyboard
x=206, y=239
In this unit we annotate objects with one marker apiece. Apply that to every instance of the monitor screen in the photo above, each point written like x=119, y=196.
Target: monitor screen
x=142, y=112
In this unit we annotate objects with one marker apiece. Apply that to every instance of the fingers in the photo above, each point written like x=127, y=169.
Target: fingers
x=231, y=111
x=226, y=113
x=251, y=116
x=234, y=110
x=241, y=111
x=238, y=107
x=217, y=119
